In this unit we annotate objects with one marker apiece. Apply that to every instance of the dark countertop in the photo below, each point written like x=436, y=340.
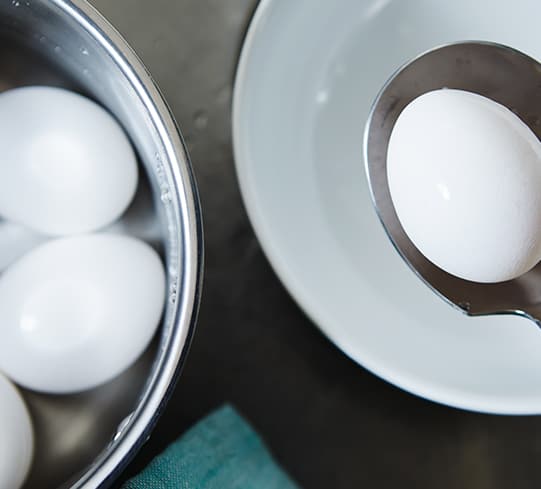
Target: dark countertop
x=328, y=421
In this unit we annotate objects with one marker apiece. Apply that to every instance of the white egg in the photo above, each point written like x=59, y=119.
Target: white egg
x=77, y=311
x=67, y=166
x=464, y=175
x=16, y=437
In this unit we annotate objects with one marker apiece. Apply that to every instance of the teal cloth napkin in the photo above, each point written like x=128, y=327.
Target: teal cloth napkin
x=219, y=452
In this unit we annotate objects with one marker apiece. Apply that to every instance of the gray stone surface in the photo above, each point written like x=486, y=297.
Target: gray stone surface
x=328, y=421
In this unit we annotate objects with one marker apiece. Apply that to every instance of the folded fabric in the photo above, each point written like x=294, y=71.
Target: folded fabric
x=219, y=452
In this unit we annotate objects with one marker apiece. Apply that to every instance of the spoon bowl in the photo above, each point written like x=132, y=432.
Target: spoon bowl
x=497, y=72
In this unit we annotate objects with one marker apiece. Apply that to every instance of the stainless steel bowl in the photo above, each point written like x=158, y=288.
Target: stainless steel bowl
x=85, y=440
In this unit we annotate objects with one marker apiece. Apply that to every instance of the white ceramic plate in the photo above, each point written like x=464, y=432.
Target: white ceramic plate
x=308, y=74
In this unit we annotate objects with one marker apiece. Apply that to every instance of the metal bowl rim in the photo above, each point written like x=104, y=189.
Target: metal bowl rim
x=138, y=427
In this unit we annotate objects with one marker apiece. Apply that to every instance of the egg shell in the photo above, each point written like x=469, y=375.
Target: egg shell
x=16, y=437
x=464, y=175
x=77, y=311
x=67, y=166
